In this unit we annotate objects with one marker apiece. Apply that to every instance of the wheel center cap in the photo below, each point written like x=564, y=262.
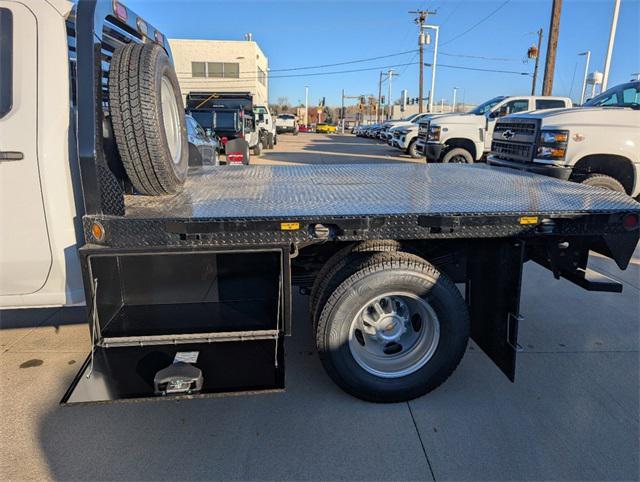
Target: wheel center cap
x=389, y=328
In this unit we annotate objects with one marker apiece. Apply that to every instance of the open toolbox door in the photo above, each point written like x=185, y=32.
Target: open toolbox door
x=183, y=324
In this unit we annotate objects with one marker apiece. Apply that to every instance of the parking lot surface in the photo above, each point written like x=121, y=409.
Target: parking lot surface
x=571, y=415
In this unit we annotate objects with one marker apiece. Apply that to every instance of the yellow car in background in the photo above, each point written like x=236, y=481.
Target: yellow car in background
x=326, y=128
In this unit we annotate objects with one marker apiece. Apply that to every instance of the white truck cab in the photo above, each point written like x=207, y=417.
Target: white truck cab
x=38, y=257
x=467, y=138
x=265, y=125
x=598, y=144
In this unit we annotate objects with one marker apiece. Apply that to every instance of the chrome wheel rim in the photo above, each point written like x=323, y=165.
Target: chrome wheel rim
x=394, y=335
x=171, y=119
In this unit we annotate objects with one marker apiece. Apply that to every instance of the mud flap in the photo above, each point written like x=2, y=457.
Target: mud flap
x=493, y=296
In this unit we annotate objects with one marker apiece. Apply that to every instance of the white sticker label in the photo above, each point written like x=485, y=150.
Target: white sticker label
x=186, y=356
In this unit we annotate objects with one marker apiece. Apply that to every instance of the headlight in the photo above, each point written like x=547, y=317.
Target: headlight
x=552, y=144
x=434, y=133
x=545, y=152
x=554, y=137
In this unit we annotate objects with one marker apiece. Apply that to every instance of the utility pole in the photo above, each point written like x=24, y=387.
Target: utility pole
x=342, y=111
x=552, y=45
x=420, y=20
x=586, y=72
x=612, y=38
x=390, y=75
x=378, y=113
x=535, y=69
x=435, y=63
x=306, y=105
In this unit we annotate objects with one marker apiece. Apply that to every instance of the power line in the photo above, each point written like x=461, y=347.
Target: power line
x=310, y=74
x=334, y=72
x=310, y=67
x=500, y=59
x=481, y=70
x=476, y=24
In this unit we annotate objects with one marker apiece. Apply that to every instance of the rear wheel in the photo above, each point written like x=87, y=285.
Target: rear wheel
x=413, y=150
x=394, y=330
x=605, y=182
x=457, y=155
x=148, y=118
x=270, y=141
x=257, y=149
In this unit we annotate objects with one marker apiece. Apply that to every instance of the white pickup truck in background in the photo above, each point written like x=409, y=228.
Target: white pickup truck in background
x=467, y=138
x=286, y=123
x=598, y=144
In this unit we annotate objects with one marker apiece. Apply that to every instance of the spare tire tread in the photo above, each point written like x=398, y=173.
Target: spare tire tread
x=133, y=105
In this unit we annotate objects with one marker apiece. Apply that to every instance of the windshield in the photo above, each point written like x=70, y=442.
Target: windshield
x=409, y=118
x=625, y=95
x=260, y=110
x=482, y=109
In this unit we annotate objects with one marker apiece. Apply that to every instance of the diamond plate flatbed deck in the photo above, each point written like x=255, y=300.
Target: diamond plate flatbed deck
x=245, y=204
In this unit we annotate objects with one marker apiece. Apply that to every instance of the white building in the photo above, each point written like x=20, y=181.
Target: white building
x=221, y=66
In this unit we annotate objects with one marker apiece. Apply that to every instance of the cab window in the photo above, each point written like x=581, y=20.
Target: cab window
x=549, y=104
x=631, y=96
x=6, y=61
x=514, y=106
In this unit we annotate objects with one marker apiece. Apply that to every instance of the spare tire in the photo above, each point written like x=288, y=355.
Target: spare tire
x=148, y=118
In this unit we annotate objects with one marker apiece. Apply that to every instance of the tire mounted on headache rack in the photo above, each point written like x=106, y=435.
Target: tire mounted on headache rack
x=148, y=118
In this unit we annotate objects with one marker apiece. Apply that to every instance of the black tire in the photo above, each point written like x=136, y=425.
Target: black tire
x=135, y=103
x=384, y=273
x=275, y=139
x=195, y=157
x=239, y=145
x=412, y=150
x=257, y=149
x=457, y=155
x=270, y=140
x=605, y=182
x=343, y=264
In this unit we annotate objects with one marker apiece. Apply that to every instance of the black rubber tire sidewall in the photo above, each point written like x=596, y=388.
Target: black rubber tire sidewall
x=270, y=140
x=457, y=151
x=334, y=326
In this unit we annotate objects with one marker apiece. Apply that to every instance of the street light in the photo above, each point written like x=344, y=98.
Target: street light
x=453, y=106
x=586, y=71
x=435, y=63
x=306, y=105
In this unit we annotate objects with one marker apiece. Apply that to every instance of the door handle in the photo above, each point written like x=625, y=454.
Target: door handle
x=11, y=156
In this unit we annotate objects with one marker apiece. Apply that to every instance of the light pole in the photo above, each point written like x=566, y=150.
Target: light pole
x=391, y=73
x=612, y=38
x=586, y=71
x=435, y=63
x=453, y=105
x=306, y=105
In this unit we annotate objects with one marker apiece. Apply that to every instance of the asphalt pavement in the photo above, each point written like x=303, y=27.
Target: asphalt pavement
x=573, y=413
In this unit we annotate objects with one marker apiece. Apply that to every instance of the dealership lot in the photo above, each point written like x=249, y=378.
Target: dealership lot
x=572, y=414
x=311, y=148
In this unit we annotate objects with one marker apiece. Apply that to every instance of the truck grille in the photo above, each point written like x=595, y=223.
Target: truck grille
x=423, y=129
x=515, y=139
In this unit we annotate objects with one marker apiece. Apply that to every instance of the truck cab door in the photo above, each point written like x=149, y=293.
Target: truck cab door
x=505, y=108
x=25, y=252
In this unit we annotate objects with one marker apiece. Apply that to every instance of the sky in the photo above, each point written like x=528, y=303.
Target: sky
x=304, y=33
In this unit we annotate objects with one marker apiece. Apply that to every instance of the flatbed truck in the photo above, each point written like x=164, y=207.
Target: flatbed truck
x=189, y=292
